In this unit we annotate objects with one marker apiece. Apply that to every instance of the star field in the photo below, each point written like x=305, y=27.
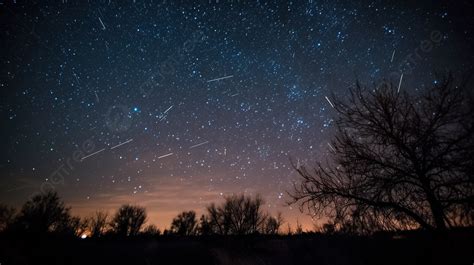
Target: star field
x=173, y=105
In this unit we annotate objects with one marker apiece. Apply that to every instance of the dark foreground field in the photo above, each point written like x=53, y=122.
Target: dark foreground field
x=455, y=248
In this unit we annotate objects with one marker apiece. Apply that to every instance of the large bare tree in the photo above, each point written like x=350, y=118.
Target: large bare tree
x=398, y=160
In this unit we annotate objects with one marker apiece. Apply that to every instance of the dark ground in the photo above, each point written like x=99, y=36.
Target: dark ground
x=452, y=248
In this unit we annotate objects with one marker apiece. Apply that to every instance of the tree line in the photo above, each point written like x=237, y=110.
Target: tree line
x=47, y=214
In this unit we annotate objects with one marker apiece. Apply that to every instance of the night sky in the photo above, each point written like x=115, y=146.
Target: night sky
x=174, y=104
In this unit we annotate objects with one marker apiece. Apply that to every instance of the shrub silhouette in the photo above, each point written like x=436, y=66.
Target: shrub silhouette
x=398, y=161
x=128, y=220
x=97, y=224
x=238, y=215
x=151, y=230
x=272, y=224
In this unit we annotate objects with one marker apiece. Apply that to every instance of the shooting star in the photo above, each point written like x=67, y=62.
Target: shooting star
x=196, y=145
x=77, y=78
x=220, y=78
x=400, y=83
x=120, y=144
x=164, y=115
x=234, y=95
x=168, y=109
x=103, y=26
x=92, y=154
x=163, y=156
x=332, y=148
x=393, y=54
x=96, y=96
x=329, y=101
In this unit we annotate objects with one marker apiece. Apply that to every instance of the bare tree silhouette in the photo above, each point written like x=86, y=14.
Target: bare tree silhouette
x=98, y=223
x=299, y=228
x=398, y=160
x=289, y=230
x=205, y=227
x=185, y=224
x=128, y=220
x=73, y=225
x=46, y=213
x=272, y=224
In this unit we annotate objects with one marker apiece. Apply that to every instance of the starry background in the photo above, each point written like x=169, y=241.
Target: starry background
x=111, y=103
